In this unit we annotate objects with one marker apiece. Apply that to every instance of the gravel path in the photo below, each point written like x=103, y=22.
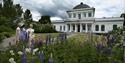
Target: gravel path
x=6, y=42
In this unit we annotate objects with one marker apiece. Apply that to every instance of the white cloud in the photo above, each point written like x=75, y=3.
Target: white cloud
x=58, y=8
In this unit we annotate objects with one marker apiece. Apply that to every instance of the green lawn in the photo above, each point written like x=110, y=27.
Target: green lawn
x=83, y=37
x=43, y=35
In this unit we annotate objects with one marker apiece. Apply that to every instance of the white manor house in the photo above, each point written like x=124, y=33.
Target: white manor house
x=81, y=19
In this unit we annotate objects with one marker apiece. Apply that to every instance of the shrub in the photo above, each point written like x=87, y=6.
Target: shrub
x=7, y=34
x=44, y=28
x=1, y=37
x=5, y=29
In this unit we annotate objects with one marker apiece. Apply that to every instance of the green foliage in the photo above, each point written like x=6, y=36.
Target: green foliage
x=44, y=28
x=45, y=20
x=8, y=13
x=27, y=17
x=5, y=29
x=1, y=37
x=67, y=52
x=123, y=15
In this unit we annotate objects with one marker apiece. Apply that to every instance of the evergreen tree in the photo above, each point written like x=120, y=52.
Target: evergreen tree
x=19, y=10
x=27, y=17
x=123, y=15
x=0, y=9
x=45, y=20
x=8, y=9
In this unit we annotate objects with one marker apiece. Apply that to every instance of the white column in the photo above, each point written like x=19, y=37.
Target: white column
x=86, y=27
x=81, y=28
x=70, y=28
x=75, y=27
x=66, y=28
x=62, y=28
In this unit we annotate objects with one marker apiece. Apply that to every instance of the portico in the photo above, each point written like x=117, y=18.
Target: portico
x=78, y=27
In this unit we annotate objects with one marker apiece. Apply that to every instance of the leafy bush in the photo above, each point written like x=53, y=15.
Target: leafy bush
x=1, y=37
x=44, y=28
x=5, y=29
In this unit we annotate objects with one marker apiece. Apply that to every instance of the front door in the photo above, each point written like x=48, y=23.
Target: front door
x=78, y=28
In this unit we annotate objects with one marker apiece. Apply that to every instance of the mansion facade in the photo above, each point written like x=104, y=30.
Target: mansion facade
x=81, y=19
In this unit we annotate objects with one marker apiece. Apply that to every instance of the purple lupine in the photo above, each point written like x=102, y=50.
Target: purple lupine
x=47, y=40
x=114, y=62
x=41, y=57
x=33, y=61
x=40, y=42
x=99, y=47
x=23, y=59
x=32, y=46
x=23, y=35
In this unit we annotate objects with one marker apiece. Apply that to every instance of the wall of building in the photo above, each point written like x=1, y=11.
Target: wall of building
x=108, y=26
x=59, y=25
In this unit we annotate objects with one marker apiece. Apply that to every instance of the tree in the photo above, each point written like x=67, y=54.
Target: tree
x=123, y=15
x=19, y=10
x=27, y=17
x=8, y=10
x=45, y=20
x=0, y=9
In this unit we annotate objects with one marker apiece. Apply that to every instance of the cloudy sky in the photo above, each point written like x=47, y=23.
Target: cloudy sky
x=57, y=8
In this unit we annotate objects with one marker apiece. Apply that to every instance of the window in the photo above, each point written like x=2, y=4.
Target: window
x=54, y=27
x=79, y=16
x=74, y=15
x=73, y=27
x=90, y=15
x=64, y=27
x=84, y=14
x=114, y=27
x=96, y=27
x=60, y=28
x=69, y=15
x=84, y=27
x=102, y=27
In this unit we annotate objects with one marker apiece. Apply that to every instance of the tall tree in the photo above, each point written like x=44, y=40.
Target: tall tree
x=8, y=9
x=0, y=9
x=27, y=17
x=123, y=15
x=19, y=10
x=45, y=20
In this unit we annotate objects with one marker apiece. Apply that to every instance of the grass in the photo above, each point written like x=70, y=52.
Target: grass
x=43, y=35
x=84, y=37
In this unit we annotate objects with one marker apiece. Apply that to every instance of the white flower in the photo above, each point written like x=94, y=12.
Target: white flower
x=33, y=53
x=11, y=59
x=35, y=50
x=11, y=52
x=13, y=62
x=20, y=53
x=28, y=50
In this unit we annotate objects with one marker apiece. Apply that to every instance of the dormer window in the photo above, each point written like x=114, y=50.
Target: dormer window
x=89, y=14
x=79, y=16
x=74, y=15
